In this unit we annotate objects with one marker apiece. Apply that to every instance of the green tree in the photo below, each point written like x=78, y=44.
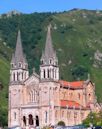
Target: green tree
x=3, y=117
x=99, y=118
x=61, y=123
x=94, y=119
x=79, y=72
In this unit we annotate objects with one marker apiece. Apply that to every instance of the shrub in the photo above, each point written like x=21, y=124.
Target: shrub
x=61, y=123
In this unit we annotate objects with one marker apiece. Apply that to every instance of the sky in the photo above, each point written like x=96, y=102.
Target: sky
x=30, y=6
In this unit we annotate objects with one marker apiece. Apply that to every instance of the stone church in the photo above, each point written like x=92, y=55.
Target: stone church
x=40, y=100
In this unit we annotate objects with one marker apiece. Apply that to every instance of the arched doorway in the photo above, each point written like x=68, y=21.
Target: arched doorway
x=31, y=120
x=24, y=120
x=37, y=121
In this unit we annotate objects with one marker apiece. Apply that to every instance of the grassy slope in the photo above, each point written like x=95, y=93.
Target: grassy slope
x=4, y=73
x=76, y=33
x=82, y=35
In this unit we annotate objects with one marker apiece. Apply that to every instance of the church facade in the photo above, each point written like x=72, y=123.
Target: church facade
x=40, y=100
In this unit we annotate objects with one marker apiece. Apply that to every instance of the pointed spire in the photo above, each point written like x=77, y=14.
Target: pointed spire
x=13, y=59
x=48, y=59
x=19, y=51
x=49, y=50
x=18, y=56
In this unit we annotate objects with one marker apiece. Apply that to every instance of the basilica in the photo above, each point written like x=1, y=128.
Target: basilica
x=45, y=99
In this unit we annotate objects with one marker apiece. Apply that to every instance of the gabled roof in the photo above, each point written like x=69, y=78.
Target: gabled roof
x=74, y=85
x=34, y=77
x=70, y=104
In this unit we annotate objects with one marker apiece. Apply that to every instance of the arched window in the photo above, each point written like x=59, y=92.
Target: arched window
x=70, y=95
x=25, y=75
x=46, y=116
x=31, y=120
x=68, y=114
x=30, y=97
x=14, y=115
x=89, y=96
x=48, y=73
x=42, y=62
x=56, y=114
x=12, y=65
x=37, y=121
x=75, y=114
x=44, y=73
x=19, y=65
x=24, y=120
x=55, y=73
x=79, y=95
x=14, y=76
x=62, y=113
x=22, y=75
x=50, y=61
x=33, y=96
x=36, y=96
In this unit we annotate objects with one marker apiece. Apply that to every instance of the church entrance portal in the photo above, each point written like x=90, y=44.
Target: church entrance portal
x=31, y=120
x=37, y=121
x=24, y=120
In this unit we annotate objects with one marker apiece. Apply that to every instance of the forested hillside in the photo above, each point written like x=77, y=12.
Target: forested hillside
x=77, y=38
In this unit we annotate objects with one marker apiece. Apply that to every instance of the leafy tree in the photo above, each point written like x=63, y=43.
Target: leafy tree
x=61, y=123
x=94, y=119
x=3, y=117
x=99, y=118
x=79, y=72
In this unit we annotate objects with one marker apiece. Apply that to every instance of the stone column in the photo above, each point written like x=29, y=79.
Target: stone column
x=22, y=123
x=54, y=73
x=27, y=123
x=41, y=73
x=57, y=74
x=46, y=73
x=50, y=73
x=34, y=121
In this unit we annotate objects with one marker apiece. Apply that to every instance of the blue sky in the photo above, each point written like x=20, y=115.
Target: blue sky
x=29, y=6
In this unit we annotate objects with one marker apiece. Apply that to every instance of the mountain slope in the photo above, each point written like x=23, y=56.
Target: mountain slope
x=77, y=38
